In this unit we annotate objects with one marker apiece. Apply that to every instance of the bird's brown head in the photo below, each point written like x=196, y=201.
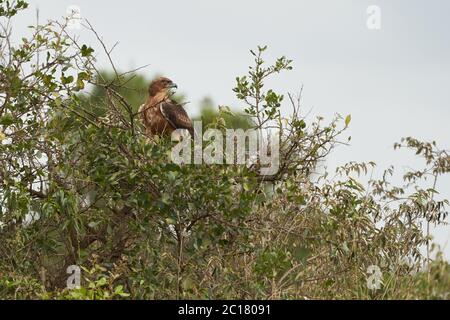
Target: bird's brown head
x=161, y=85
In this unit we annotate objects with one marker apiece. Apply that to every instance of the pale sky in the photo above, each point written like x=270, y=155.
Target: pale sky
x=394, y=81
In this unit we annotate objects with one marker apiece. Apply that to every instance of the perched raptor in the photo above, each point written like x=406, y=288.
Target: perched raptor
x=160, y=114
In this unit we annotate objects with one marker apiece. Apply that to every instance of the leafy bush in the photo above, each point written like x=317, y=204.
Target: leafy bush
x=80, y=184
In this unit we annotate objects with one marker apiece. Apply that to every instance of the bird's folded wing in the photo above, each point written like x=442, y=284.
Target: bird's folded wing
x=176, y=116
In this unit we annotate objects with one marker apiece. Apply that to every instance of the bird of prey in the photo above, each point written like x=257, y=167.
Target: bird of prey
x=160, y=114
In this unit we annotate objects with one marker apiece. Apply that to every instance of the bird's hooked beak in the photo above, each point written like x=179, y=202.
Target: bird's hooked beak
x=171, y=88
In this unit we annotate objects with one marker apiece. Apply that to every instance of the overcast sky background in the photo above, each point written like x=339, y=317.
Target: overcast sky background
x=394, y=81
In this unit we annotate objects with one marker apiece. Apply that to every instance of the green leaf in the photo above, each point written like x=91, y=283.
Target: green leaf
x=7, y=119
x=165, y=198
x=80, y=83
x=348, y=119
x=86, y=51
x=124, y=294
x=66, y=80
x=101, y=282
x=83, y=76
